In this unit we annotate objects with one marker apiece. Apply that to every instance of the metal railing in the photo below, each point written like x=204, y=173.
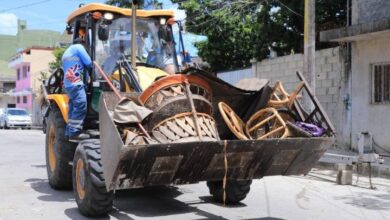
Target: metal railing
x=5, y=90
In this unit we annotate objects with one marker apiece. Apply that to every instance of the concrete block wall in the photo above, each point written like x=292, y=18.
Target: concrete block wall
x=329, y=73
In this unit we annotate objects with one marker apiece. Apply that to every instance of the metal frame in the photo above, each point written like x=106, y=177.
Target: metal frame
x=318, y=109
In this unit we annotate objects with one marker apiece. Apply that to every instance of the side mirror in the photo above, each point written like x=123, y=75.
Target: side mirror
x=103, y=32
x=69, y=29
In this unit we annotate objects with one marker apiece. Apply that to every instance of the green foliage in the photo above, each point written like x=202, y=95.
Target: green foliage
x=58, y=52
x=238, y=31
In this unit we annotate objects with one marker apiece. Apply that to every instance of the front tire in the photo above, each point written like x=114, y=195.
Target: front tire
x=59, y=152
x=89, y=187
x=236, y=190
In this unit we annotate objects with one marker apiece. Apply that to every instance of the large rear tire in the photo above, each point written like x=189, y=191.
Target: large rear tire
x=59, y=152
x=236, y=190
x=88, y=181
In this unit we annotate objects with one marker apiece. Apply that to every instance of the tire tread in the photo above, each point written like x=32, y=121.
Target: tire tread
x=236, y=190
x=97, y=201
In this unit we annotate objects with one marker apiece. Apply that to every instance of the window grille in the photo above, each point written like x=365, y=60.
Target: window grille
x=380, y=75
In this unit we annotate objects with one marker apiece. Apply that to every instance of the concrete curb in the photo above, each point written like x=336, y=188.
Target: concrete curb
x=377, y=171
x=36, y=127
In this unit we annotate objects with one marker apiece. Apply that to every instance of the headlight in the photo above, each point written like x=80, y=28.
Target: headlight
x=163, y=21
x=108, y=16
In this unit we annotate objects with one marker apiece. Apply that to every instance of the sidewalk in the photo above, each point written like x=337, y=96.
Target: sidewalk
x=378, y=170
x=379, y=183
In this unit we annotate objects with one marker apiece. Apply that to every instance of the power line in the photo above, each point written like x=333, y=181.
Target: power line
x=291, y=10
x=24, y=6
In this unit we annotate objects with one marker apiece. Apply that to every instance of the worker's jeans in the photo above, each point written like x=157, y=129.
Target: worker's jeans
x=77, y=109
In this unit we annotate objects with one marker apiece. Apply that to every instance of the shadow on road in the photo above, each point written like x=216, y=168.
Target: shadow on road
x=73, y=213
x=367, y=200
x=265, y=218
x=210, y=200
x=148, y=202
x=145, y=202
x=39, y=166
x=156, y=201
x=42, y=186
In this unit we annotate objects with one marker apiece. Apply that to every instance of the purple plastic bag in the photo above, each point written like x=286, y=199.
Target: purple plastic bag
x=314, y=130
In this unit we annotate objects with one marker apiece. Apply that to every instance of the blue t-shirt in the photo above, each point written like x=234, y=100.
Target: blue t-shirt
x=73, y=61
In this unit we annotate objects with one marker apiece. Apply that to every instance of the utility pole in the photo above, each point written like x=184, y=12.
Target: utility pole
x=134, y=5
x=309, y=70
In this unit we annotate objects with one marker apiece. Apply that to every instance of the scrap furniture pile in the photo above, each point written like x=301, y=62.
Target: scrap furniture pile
x=180, y=109
x=193, y=127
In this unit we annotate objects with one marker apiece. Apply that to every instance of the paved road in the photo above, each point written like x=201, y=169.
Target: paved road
x=25, y=194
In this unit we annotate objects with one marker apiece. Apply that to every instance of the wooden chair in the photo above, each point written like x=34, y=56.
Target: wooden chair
x=280, y=98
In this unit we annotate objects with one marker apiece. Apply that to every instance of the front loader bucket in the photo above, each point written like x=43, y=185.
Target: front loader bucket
x=182, y=163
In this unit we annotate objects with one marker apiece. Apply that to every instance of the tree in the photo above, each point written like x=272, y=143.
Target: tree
x=53, y=65
x=58, y=52
x=44, y=75
x=238, y=31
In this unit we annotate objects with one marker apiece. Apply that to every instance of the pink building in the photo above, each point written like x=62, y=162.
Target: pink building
x=28, y=65
x=23, y=86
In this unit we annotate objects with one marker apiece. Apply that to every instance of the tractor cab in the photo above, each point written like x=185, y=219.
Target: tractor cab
x=107, y=33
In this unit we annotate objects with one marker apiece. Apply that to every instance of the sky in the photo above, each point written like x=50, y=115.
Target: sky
x=47, y=14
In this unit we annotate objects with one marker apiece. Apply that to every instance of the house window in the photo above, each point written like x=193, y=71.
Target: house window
x=18, y=99
x=18, y=73
x=8, y=86
x=24, y=71
x=380, y=75
x=24, y=99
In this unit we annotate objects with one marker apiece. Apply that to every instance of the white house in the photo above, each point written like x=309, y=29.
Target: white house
x=368, y=88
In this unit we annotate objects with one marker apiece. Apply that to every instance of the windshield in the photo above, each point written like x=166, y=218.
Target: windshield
x=17, y=112
x=150, y=48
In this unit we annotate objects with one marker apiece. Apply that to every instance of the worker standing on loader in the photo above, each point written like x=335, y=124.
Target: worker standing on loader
x=73, y=61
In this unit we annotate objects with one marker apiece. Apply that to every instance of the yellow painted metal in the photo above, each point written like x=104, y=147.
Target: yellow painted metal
x=115, y=77
x=50, y=148
x=148, y=75
x=306, y=23
x=122, y=11
x=80, y=187
x=62, y=102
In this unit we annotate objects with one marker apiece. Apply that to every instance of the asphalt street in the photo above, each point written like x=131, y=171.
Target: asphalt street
x=25, y=193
